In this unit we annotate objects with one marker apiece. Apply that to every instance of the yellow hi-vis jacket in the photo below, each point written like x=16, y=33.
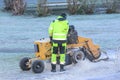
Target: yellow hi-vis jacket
x=58, y=29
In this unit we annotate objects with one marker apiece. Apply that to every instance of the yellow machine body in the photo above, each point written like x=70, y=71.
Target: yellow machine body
x=87, y=44
x=43, y=47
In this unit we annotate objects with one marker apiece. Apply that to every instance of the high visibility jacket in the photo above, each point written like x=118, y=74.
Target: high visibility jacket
x=58, y=29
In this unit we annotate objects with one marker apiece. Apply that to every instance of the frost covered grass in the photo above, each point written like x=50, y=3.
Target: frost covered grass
x=24, y=30
x=17, y=34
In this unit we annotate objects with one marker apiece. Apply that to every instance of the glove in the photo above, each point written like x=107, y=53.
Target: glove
x=50, y=39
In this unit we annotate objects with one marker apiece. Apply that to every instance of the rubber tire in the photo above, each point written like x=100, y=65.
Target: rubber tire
x=23, y=65
x=76, y=59
x=38, y=66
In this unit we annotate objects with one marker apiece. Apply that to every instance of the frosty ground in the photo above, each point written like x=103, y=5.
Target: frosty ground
x=17, y=34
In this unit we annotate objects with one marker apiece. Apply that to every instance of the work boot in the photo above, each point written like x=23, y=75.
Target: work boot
x=53, y=67
x=62, y=68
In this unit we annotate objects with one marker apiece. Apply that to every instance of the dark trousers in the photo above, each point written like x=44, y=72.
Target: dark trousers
x=58, y=47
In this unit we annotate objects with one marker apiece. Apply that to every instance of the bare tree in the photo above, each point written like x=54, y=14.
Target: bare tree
x=8, y=4
x=87, y=6
x=16, y=6
x=73, y=6
x=111, y=6
x=42, y=9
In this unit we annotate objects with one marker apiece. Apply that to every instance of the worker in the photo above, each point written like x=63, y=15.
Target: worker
x=58, y=31
x=72, y=37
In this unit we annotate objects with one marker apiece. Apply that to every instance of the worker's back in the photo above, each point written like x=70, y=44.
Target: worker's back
x=59, y=29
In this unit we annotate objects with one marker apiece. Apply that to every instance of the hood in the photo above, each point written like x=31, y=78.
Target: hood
x=60, y=18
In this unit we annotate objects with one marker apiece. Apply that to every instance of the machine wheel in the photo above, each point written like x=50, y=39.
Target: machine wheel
x=38, y=66
x=24, y=64
x=78, y=56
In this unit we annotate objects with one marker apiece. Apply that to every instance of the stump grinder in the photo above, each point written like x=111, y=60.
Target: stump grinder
x=84, y=49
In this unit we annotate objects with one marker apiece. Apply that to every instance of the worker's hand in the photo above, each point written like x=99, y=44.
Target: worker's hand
x=50, y=39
